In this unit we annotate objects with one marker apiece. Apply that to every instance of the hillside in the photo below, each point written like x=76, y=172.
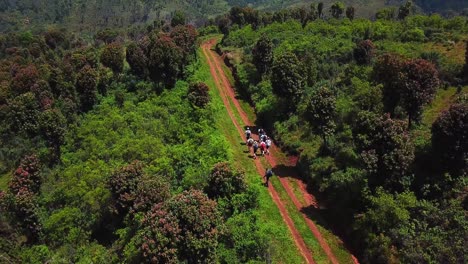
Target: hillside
x=90, y=15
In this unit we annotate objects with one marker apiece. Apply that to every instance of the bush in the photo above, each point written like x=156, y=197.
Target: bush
x=223, y=182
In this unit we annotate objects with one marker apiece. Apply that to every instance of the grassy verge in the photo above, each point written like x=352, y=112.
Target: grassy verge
x=282, y=246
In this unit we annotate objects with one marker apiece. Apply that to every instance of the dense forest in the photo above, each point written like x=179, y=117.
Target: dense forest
x=92, y=15
x=116, y=147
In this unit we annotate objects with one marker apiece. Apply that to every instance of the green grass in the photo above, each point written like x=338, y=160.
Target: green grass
x=282, y=246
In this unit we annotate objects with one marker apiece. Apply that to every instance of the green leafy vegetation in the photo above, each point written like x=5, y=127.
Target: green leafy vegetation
x=356, y=100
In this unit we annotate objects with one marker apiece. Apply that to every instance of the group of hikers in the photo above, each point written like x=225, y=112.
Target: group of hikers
x=263, y=144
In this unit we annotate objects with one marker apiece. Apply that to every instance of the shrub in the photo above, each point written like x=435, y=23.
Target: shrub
x=224, y=182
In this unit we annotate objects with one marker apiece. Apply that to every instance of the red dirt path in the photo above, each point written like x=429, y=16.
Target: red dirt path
x=206, y=47
x=228, y=95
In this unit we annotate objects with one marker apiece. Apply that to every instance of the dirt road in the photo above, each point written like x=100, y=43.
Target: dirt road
x=231, y=103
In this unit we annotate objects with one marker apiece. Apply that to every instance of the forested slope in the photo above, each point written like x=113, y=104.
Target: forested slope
x=91, y=15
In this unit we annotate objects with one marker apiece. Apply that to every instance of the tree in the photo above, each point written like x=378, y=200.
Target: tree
x=199, y=221
x=137, y=60
x=450, y=139
x=160, y=236
x=123, y=185
x=185, y=37
x=113, y=57
x=350, y=11
x=364, y=52
x=198, y=94
x=387, y=71
x=150, y=191
x=337, y=9
x=178, y=19
x=419, y=83
x=405, y=10
x=320, y=9
x=321, y=111
x=223, y=182
x=26, y=176
x=386, y=149
x=387, y=13
x=24, y=79
x=86, y=83
x=25, y=208
x=23, y=114
x=287, y=78
x=53, y=129
x=262, y=54
x=164, y=60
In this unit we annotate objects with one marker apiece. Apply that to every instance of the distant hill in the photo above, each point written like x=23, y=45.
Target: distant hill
x=89, y=15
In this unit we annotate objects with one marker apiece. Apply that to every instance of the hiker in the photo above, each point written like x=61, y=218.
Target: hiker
x=263, y=137
x=250, y=142
x=268, y=145
x=268, y=174
x=263, y=147
x=261, y=132
x=248, y=133
x=255, y=148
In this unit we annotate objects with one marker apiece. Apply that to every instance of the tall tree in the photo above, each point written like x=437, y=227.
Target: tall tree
x=337, y=9
x=405, y=10
x=53, y=128
x=419, y=83
x=387, y=71
x=137, y=60
x=320, y=9
x=350, y=12
x=262, y=54
x=86, y=86
x=364, y=52
x=450, y=139
x=386, y=149
x=164, y=60
x=287, y=79
x=321, y=111
x=113, y=57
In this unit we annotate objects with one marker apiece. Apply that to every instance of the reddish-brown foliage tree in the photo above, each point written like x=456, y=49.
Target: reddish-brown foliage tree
x=113, y=57
x=25, y=209
x=419, y=83
x=387, y=71
x=186, y=38
x=198, y=94
x=224, y=182
x=364, y=52
x=450, y=139
x=86, y=82
x=199, y=222
x=26, y=176
x=24, y=79
x=123, y=184
x=150, y=191
x=160, y=236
